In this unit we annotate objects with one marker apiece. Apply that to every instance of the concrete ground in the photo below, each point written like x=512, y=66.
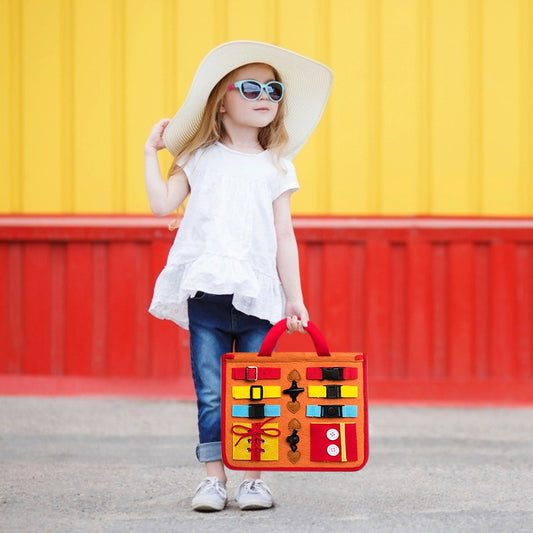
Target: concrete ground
x=114, y=465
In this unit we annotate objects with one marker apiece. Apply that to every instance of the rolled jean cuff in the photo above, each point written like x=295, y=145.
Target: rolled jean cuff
x=209, y=451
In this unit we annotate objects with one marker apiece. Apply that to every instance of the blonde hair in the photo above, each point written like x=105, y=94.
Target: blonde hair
x=272, y=137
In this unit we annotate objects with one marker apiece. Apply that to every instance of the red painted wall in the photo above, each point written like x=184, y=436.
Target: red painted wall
x=442, y=307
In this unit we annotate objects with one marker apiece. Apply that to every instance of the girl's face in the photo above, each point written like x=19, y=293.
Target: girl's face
x=240, y=112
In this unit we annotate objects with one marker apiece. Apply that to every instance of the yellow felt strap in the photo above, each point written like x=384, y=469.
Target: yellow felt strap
x=316, y=391
x=254, y=392
x=343, y=441
x=319, y=391
x=349, y=391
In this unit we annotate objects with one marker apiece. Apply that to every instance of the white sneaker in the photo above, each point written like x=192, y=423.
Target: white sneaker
x=210, y=495
x=253, y=494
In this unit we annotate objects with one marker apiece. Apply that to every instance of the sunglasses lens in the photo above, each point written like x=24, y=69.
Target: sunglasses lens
x=250, y=90
x=275, y=91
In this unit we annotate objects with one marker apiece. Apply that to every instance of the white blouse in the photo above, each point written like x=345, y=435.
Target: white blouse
x=226, y=242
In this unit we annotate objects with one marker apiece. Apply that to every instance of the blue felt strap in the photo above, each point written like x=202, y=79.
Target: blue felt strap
x=349, y=411
x=244, y=410
x=313, y=410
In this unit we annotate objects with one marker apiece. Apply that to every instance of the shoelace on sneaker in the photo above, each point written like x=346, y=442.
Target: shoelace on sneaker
x=254, y=486
x=212, y=483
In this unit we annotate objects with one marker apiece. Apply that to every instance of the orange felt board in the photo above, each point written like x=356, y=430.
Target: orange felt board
x=294, y=410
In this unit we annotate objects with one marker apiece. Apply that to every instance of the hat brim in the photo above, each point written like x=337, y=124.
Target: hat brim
x=307, y=82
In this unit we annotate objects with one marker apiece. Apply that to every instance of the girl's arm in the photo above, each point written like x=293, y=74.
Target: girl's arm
x=163, y=196
x=288, y=264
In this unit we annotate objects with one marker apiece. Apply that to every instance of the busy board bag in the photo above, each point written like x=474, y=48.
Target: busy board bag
x=294, y=410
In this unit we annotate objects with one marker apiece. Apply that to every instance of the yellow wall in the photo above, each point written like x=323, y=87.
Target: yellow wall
x=431, y=111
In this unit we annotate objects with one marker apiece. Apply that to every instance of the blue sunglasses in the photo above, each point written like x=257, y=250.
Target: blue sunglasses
x=251, y=89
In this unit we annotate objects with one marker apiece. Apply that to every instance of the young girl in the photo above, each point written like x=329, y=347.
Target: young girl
x=233, y=270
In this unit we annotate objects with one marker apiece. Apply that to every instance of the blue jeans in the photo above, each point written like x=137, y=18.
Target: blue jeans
x=216, y=328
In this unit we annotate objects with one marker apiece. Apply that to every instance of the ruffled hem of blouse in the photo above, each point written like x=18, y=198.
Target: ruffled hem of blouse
x=254, y=292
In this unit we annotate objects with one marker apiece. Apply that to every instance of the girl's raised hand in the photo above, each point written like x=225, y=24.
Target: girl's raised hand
x=297, y=317
x=155, y=139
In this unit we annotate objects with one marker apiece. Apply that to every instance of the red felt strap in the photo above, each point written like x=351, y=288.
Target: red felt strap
x=314, y=373
x=349, y=372
x=278, y=329
x=253, y=373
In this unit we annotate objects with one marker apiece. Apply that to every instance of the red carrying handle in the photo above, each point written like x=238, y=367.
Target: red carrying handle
x=278, y=329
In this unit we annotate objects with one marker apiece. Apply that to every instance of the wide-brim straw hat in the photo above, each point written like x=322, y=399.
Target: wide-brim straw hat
x=307, y=86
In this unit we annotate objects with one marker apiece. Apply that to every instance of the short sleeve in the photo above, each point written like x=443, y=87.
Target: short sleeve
x=189, y=165
x=287, y=179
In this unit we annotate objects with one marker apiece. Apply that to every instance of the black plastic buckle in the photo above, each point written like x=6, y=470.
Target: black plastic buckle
x=260, y=388
x=256, y=410
x=331, y=411
x=333, y=373
x=333, y=392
